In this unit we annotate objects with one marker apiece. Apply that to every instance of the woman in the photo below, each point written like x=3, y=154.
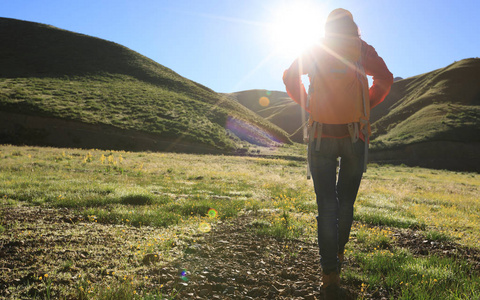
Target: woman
x=339, y=104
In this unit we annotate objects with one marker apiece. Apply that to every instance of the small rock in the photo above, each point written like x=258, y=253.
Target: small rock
x=229, y=290
x=203, y=292
x=83, y=254
x=309, y=297
x=285, y=291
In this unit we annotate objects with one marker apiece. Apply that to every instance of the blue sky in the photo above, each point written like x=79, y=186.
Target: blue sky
x=235, y=45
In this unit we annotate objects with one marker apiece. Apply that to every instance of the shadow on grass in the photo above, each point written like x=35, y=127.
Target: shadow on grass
x=137, y=199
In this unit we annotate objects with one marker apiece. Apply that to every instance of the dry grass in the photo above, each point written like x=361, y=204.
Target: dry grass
x=90, y=218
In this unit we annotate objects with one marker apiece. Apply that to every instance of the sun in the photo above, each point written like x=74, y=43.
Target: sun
x=295, y=27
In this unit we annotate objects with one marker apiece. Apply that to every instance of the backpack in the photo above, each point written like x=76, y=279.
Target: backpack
x=338, y=93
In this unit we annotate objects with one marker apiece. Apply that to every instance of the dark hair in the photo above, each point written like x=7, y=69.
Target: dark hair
x=342, y=26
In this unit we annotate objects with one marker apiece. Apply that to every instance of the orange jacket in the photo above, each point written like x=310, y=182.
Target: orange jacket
x=372, y=63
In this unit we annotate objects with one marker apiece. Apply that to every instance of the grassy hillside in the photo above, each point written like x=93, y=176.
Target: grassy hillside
x=54, y=73
x=442, y=105
x=430, y=120
x=276, y=107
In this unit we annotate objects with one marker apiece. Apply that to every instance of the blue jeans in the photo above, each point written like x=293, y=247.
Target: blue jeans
x=335, y=197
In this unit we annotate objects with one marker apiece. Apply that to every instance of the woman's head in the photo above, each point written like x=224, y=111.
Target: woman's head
x=340, y=24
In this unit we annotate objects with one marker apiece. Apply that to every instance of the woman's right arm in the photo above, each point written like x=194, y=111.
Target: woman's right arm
x=292, y=77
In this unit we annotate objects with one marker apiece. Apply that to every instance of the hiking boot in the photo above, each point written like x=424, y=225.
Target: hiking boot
x=331, y=279
x=330, y=288
x=332, y=293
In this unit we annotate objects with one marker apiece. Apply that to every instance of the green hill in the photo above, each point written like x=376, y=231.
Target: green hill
x=62, y=88
x=431, y=119
x=278, y=109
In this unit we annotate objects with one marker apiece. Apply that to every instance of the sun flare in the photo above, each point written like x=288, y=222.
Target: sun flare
x=295, y=27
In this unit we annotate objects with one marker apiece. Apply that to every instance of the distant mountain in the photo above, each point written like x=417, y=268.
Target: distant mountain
x=276, y=107
x=61, y=88
x=432, y=119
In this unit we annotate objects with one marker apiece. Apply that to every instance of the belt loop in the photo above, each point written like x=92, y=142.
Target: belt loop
x=353, y=131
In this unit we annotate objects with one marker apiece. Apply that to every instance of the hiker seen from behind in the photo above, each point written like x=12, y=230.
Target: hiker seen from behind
x=338, y=102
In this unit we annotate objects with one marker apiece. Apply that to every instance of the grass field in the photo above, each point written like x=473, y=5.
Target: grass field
x=95, y=224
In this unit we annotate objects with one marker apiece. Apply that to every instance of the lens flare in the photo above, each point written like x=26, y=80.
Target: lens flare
x=204, y=227
x=183, y=275
x=212, y=213
x=264, y=101
x=250, y=132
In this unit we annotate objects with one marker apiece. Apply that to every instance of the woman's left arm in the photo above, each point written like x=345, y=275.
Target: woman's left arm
x=382, y=78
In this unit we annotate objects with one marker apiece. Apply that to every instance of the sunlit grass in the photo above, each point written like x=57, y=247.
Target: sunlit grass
x=422, y=198
x=172, y=187
x=284, y=225
x=373, y=238
x=430, y=277
x=160, y=203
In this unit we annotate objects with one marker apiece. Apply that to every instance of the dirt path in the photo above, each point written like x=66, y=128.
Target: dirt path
x=233, y=262
x=229, y=262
